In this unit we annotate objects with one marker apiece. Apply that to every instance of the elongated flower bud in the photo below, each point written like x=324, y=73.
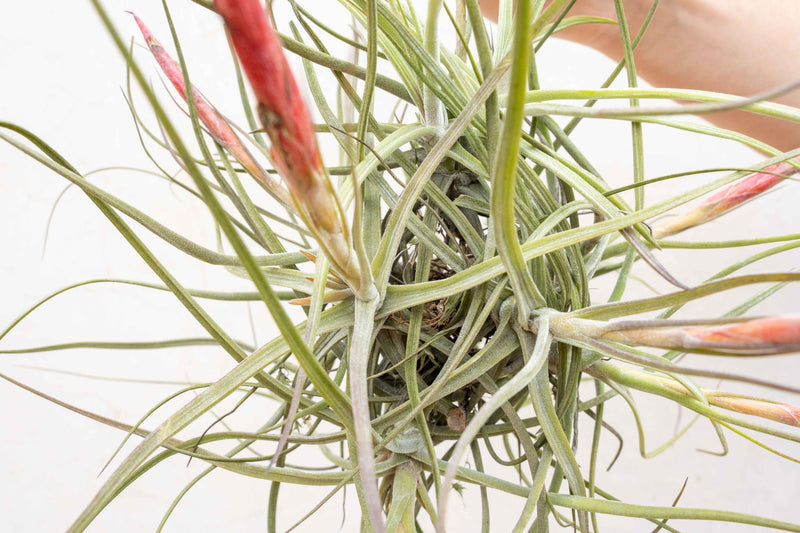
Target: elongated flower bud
x=748, y=405
x=771, y=335
x=779, y=412
x=287, y=122
x=726, y=199
x=215, y=123
x=759, y=336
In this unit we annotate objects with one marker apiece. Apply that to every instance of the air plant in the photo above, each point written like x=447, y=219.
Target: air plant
x=446, y=277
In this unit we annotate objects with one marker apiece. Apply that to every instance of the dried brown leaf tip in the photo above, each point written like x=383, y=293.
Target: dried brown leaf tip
x=726, y=199
x=216, y=125
x=287, y=122
x=457, y=419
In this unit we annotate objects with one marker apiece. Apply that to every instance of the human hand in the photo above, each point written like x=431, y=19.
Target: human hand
x=603, y=37
x=729, y=46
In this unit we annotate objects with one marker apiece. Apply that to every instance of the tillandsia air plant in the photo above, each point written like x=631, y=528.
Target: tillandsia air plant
x=450, y=285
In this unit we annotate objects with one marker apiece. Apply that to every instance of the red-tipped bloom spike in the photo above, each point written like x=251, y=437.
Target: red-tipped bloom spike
x=214, y=122
x=284, y=112
x=726, y=199
x=785, y=414
x=287, y=122
x=771, y=335
x=771, y=410
x=295, y=154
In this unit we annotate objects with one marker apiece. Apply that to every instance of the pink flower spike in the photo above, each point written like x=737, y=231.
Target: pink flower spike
x=216, y=125
x=785, y=414
x=286, y=120
x=726, y=199
x=295, y=154
x=761, y=336
x=283, y=111
x=774, y=331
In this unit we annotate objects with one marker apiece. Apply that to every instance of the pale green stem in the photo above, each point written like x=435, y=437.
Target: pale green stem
x=718, y=102
x=534, y=365
x=320, y=275
x=595, y=505
x=541, y=398
x=433, y=107
x=505, y=172
x=504, y=24
x=365, y=271
x=360, y=349
x=463, y=28
x=636, y=127
x=536, y=498
x=485, y=57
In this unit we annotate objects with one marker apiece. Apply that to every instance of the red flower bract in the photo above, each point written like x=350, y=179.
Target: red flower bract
x=283, y=111
x=768, y=335
x=215, y=123
x=769, y=331
x=741, y=191
x=783, y=413
x=726, y=199
x=205, y=112
x=287, y=122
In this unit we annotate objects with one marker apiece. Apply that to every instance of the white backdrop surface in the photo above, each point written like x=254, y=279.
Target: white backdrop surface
x=62, y=79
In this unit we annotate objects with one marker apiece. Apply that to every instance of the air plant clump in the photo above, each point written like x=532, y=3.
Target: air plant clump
x=447, y=279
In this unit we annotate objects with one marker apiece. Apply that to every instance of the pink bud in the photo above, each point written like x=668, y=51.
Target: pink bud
x=282, y=110
x=785, y=414
x=770, y=335
x=287, y=122
x=215, y=123
x=726, y=199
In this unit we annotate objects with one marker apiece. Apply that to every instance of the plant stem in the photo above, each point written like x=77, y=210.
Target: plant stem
x=433, y=107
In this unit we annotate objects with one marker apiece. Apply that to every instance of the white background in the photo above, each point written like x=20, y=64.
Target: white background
x=62, y=79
